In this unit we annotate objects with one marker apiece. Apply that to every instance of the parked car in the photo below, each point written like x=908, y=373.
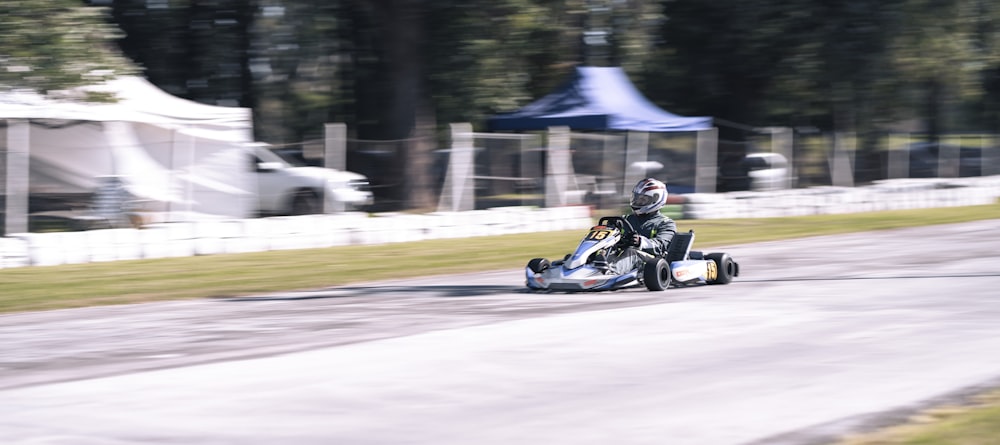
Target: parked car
x=755, y=171
x=767, y=171
x=285, y=188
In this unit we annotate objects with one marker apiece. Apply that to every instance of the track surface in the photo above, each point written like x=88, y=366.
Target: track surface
x=818, y=337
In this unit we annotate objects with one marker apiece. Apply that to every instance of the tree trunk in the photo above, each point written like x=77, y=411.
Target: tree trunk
x=933, y=110
x=245, y=16
x=410, y=117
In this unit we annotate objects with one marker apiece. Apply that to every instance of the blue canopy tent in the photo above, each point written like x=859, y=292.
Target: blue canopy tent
x=597, y=99
x=603, y=99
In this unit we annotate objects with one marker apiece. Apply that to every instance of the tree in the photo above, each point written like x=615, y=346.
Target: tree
x=396, y=62
x=491, y=56
x=854, y=65
x=53, y=45
x=942, y=55
x=296, y=57
x=400, y=70
x=195, y=49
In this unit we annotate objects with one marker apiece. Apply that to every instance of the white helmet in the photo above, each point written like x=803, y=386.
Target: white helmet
x=648, y=196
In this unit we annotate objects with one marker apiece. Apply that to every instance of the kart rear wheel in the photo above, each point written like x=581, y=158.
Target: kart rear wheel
x=656, y=274
x=724, y=265
x=538, y=265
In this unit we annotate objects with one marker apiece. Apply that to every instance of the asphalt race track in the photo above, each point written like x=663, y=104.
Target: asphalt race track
x=818, y=337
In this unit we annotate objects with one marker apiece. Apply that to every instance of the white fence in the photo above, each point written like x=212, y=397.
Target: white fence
x=208, y=237
x=182, y=239
x=893, y=194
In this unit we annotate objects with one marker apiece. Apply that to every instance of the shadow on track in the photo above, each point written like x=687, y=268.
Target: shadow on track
x=436, y=291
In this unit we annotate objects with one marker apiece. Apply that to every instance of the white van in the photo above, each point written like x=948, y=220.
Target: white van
x=288, y=189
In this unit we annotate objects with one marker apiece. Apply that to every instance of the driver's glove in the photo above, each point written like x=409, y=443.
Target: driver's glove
x=636, y=240
x=641, y=241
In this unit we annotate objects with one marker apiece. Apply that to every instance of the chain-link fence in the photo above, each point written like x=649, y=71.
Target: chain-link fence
x=560, y=167
x=841, y=159
x=484, y=170
x=476, y=170
x=912, y=155
x=378, y=161
x=673, y=158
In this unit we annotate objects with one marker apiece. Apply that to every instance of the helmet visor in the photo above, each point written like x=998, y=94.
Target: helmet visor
x=641, y=200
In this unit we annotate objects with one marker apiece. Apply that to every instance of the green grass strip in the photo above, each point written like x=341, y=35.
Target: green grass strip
x=119, y=282
x=974, y=423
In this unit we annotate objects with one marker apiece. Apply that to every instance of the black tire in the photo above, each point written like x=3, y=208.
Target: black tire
x=725, y=266
x=306, y=202
x=539, y=265
x=656, y=274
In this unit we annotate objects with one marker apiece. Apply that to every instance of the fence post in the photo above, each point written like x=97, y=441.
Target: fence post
x=991, y=156
x=335, y=146
x=898, y=160
x=559, y=167
x=458, y=193
x=706, y=160
x=783, y=143
x=18, y=150
x=335, y=157
x=841, y=165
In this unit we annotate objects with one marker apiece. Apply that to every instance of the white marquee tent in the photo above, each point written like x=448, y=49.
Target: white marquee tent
x=183, y=159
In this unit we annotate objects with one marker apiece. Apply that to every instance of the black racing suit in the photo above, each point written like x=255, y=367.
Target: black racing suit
x=655, y=228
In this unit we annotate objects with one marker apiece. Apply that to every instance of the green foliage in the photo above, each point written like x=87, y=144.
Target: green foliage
x=492, y=57
x=298, y=79
x=856, y=65
x=50, y=45
x=396, y=70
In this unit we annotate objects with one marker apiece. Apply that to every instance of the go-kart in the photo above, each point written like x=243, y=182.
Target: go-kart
x=587, y=269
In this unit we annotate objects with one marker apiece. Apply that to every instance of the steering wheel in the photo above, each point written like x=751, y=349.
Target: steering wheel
x=622, y=224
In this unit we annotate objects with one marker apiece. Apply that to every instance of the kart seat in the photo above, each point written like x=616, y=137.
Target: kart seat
x=680, y=246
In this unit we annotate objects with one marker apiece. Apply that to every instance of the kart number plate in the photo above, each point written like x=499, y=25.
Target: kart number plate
x=711, y=271
x=598, y=235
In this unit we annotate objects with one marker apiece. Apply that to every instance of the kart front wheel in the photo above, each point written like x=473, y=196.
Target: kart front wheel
x=538, y=265
x=656, y=274
x=725, y=267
